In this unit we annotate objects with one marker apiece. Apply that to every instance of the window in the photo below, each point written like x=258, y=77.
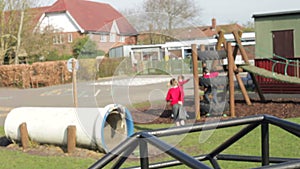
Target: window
x=103, y=38
x=70, y=38
x=122, y=39
x=58, y=39
x=112, y=37
x=55, y=39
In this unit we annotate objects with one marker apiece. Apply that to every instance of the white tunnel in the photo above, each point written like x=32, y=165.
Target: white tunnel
x=96, y=128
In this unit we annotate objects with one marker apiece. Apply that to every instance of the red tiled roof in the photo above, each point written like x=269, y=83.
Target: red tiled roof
x=93, y=16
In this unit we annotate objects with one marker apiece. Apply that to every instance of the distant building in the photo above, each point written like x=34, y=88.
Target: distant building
x=180, y=47
x=72, y=19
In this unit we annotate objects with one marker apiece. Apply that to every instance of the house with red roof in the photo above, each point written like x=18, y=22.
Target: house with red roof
x=71, y=19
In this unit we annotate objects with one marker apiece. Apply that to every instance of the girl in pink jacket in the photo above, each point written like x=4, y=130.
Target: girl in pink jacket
x=175, y=97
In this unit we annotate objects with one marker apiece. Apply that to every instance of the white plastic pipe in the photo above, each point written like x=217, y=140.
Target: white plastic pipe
x=96, y=128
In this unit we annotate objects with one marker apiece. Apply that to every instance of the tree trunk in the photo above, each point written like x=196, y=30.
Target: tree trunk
x=19, y=38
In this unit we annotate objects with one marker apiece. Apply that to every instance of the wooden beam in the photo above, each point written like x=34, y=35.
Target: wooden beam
x=221, y=40
x=231, y=79
x=237, y=37
x=243, y=88
x=259, y=91
x=237, y=75
x=196, y=81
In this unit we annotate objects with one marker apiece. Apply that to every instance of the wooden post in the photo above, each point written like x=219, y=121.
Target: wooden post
x=236, y=48
x=237, y=37
x=71, y=145
x=239, y=43
x=24, y=136
x=259, y=91
x=74, y=82
x=243, y=89
x=196, y=81
x=231, y=79
x=237, y=75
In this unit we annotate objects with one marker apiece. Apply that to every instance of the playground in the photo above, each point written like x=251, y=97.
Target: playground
x=242, y=104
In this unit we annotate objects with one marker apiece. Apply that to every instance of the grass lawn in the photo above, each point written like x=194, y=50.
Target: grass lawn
x=282, y=144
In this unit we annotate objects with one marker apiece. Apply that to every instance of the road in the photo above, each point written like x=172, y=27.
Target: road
x=125, y=91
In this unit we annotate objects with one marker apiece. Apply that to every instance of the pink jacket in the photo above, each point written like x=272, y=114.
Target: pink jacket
x=211, y=75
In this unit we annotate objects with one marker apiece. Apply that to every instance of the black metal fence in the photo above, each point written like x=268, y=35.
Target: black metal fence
x=142, y=139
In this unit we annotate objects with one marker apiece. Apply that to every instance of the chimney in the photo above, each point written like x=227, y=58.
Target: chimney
x=213, y=24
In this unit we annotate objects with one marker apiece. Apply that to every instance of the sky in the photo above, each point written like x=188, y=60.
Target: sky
x=224, y=11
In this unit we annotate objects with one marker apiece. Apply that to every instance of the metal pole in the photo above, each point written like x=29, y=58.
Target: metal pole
x=125, y=155
x=144, y=160
x=117, y=151
x=297, y=68
x=175, y=153
x=265, y=144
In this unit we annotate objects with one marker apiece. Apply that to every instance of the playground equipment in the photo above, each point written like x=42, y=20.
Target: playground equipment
x=143, y=140
x=224, y=49
x=223, y=52
x=96, y=128
x=233, y=69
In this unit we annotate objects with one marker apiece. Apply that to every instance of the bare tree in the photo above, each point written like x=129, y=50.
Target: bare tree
x=175, y=12
x=12, y=18
x=17, y=23
x=7, y=31
x=19, y=37
x=157, y=19
x=248, y=26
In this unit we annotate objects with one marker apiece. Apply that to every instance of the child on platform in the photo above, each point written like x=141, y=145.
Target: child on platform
x=210, y=89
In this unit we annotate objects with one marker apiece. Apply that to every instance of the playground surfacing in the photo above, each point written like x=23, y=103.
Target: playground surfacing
x=282, y=106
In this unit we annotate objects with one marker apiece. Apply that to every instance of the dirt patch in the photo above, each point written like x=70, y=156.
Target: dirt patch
x=278, y=107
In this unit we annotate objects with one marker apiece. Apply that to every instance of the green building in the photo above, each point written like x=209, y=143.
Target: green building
x=277, y=51
x=277, y=35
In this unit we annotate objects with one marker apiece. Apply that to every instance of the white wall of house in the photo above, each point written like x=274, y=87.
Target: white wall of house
x=59, y=21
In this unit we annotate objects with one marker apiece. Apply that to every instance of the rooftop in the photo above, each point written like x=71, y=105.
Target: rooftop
x=280, y=13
